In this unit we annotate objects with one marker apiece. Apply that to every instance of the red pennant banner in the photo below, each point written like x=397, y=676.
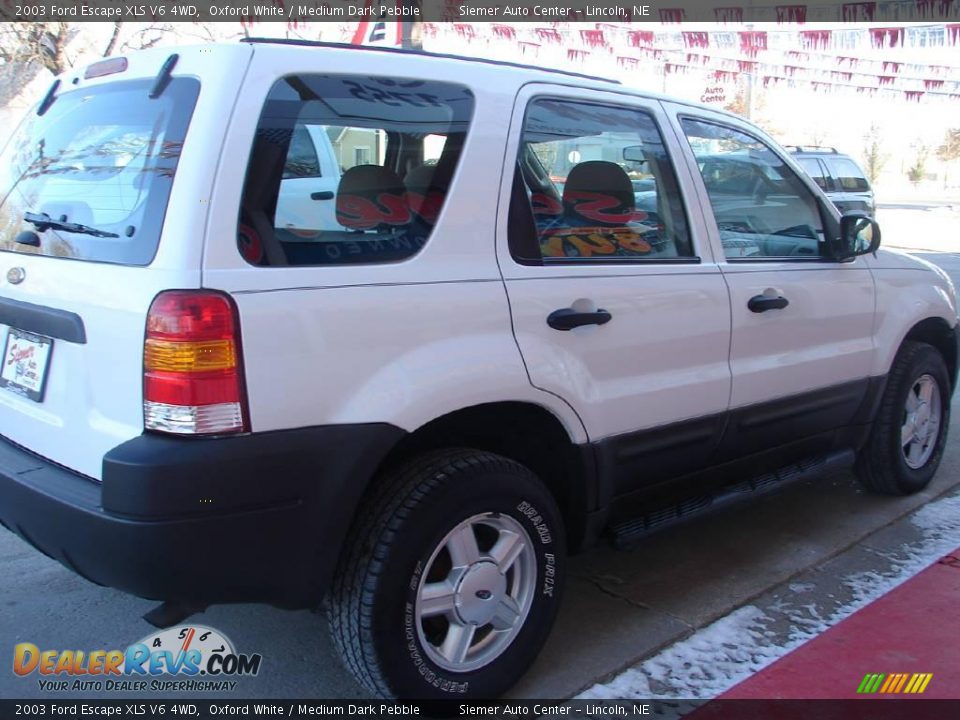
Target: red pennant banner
x=504, y=31
x=859, y=11
x=815, y=39
x=892, y=67
x=696, y=39
x=673, y=15
x=465, y=30
x=640, y=38
x=886, y=79
x=529, y=49
x=728, y=14
x=628, y=63
x=932, y=84
x=913, y=94
x=550, y=35
x=746, y=66
x=722, y=76
x=593, y=38
x=428, y=30
x=751, y=42
x=934, y=9
x=844, y=76
x=791, y=13
x=886, y=37
x=790, y=70
x=847, y=62
x=953, y=34
x=576, y=55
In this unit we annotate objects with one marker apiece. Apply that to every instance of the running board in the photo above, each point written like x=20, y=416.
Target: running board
x=627, y=534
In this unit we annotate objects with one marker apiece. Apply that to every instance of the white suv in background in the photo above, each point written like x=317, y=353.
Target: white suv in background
x=412, y=400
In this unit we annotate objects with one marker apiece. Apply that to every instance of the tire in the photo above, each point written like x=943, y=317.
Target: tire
x=887, y=466
x=413, y=537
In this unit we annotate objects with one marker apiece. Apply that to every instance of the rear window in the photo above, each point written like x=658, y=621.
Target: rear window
x=98, y=167
x=848, y=175
x=350, y=169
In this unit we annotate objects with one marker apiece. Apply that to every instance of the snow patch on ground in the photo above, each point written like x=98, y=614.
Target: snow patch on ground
x=717, y=657
x=700, y=666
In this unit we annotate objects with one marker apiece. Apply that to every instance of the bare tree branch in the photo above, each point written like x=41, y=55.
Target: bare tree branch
x=107, y=51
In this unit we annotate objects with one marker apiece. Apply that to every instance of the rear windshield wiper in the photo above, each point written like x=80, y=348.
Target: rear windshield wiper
x=44, y=222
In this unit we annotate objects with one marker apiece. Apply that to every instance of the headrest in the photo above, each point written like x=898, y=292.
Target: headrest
x=599, y=192
x=371, y=197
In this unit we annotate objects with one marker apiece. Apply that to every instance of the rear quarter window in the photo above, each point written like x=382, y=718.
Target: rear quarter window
x=103, y=157
x=848, y=175
x=394, y=146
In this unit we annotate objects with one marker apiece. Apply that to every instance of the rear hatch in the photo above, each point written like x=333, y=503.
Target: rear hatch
x=94, y=222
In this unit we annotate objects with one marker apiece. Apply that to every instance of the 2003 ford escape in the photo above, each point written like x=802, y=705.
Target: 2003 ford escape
x=303, y=324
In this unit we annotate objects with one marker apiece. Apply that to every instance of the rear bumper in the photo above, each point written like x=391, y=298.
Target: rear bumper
x=259, y=517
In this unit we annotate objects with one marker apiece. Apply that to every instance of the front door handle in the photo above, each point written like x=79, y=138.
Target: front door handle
x=568, y=318
x=762, y=303
x=322, y=195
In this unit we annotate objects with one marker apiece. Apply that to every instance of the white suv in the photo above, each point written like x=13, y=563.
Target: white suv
x=491, y=356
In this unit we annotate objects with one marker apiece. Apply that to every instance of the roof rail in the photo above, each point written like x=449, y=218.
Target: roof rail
x=422, y=53
x=812, y=148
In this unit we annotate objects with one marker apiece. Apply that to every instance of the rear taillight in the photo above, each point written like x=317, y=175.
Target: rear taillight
x=192, y=374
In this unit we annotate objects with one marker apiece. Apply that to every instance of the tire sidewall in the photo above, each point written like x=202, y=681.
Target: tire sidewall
x=517, y=494
x=925, y=363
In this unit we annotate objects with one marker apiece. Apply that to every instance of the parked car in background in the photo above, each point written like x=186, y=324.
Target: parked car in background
x=838, y=176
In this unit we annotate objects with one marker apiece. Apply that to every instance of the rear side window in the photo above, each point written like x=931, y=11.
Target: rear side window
x=594, y=183
x=350, y=169
x=848, y=175
x=814, y=169
x=99, y=164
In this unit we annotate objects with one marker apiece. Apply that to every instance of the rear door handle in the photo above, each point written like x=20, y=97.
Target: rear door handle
x=762, y=303
x=322, y=195
x=568, y=318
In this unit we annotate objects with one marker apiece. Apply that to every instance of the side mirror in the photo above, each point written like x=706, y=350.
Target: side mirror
x=634, y=153
x=859, y=235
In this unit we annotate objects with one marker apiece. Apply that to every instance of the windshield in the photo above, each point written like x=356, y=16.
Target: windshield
x=103, y=158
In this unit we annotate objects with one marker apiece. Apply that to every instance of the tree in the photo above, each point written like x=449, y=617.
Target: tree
x=918, y=171
x=29, y=48
x=950, y=149
x=874, y=159
x=41, y=44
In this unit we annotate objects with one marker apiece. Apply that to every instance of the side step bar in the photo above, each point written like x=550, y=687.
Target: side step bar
x=628, y=534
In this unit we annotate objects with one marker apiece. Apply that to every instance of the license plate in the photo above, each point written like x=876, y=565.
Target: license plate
x=25, y=360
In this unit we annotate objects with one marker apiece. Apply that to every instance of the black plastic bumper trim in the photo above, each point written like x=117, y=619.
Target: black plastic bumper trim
x=254, y=518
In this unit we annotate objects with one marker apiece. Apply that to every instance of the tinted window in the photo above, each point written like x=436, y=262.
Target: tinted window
x=594, y=182
x=814, y=169
x=848, y=175
x=376, y=130
x=762, y=208
x=103, y=157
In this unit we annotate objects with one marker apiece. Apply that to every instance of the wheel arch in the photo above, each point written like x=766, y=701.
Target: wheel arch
x=526, y=433
x=936, y=332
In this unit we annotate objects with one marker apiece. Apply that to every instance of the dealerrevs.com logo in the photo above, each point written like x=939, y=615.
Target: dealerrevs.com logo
x=182, y=658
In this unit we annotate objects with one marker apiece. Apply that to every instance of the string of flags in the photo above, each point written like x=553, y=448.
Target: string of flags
x=820, y=60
